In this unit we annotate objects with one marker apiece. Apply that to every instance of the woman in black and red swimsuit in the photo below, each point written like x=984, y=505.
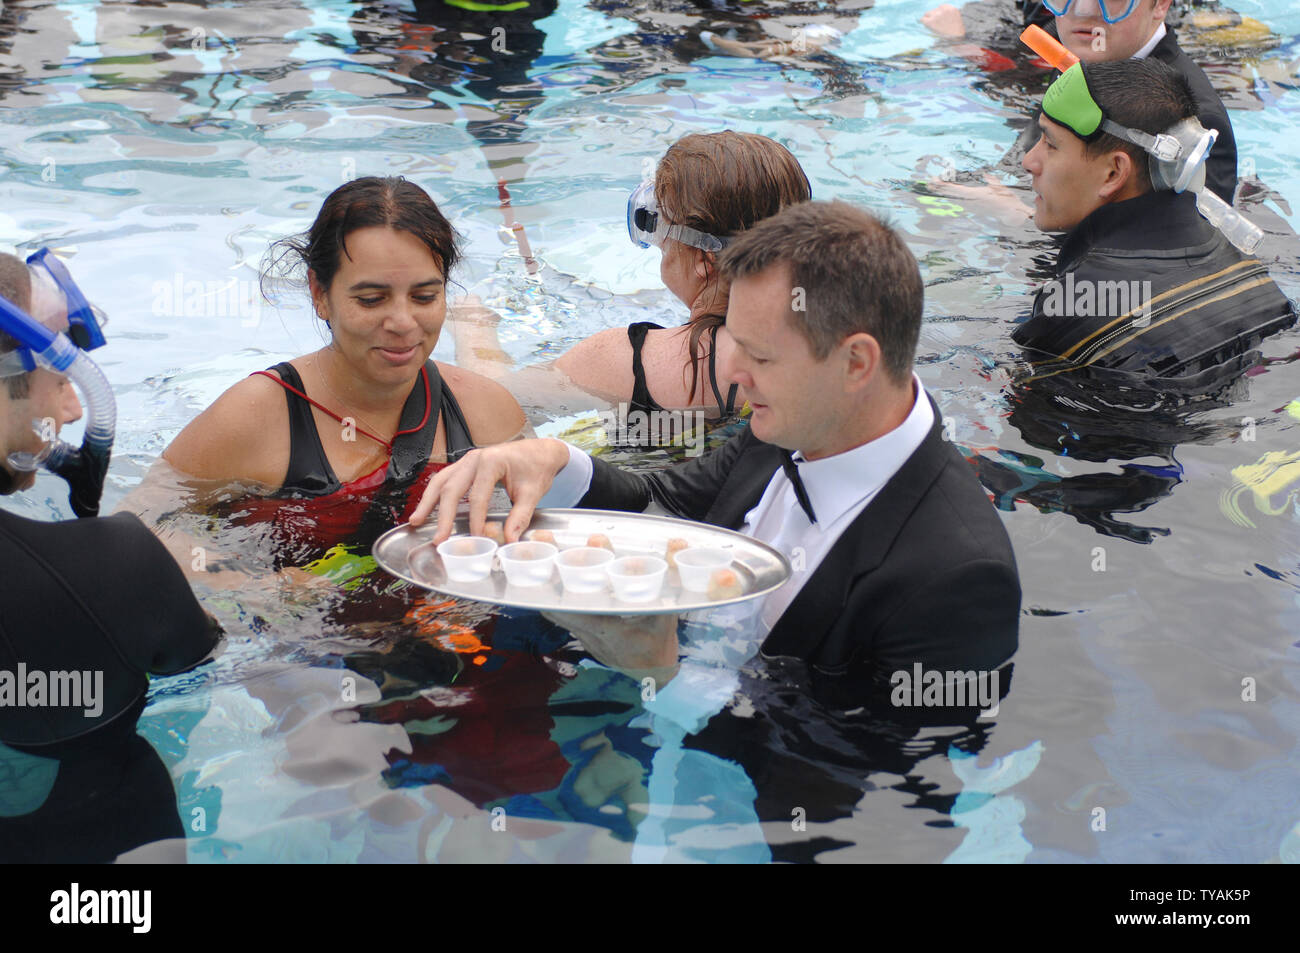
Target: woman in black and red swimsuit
x=369, y=410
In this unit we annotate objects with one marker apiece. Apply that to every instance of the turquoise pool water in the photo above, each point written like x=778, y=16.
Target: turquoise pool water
x=164, y=146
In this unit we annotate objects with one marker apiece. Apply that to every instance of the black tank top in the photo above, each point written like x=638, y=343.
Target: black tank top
x=641, y=399
x=310, y=473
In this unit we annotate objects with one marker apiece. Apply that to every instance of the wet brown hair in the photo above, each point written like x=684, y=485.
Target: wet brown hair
x=723, y=184
x=16, y=285
x=363, y=203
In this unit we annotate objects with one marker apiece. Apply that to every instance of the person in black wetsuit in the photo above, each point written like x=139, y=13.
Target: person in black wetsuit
x=706, y=190
x=89, y=608
x=1146, y=291
x=370, y=409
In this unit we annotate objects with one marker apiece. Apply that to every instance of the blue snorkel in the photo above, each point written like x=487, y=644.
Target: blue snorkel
x=82, y=467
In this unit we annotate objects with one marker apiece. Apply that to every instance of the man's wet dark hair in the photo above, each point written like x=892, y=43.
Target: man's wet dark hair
x=1142, y=94
x=856, y=274
x=16, y=285
x=391, y=202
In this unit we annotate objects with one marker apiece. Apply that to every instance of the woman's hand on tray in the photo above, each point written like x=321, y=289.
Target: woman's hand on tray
x=525, y=467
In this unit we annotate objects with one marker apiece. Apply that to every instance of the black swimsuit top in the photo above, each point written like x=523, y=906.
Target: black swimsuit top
x=641, y=399
x=310, y=473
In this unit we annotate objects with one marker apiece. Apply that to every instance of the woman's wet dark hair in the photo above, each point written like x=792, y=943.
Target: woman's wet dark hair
x=363, y=203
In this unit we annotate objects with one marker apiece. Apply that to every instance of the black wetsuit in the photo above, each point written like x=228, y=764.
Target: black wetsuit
x=641, y=399
x=97, y=597
x=310, y=473
x=1209, y=305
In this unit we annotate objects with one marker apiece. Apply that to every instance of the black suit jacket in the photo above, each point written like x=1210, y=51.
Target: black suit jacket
x=925, y=573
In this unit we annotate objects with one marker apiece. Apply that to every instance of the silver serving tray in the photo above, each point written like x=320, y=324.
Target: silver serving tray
x=409, y=554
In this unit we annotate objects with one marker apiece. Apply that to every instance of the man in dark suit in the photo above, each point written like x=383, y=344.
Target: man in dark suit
x=899, y=557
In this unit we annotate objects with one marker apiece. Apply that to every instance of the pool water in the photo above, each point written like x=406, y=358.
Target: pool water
x=1155, y=710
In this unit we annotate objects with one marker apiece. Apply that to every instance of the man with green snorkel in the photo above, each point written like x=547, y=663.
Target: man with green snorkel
x=1148, y=283
x=89, y=604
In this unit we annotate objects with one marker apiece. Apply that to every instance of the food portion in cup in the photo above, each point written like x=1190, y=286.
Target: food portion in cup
x=695, y=567
x=582, y=569
x=467, y=558
x=675, y=546
x=637, y=578
x=600, y=540
x=528, y=563
x=725, y=584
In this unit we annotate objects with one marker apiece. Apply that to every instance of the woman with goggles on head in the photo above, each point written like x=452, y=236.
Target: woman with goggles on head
x=707, y=189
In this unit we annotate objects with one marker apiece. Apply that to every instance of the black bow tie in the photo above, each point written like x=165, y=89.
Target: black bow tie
x=800, y=493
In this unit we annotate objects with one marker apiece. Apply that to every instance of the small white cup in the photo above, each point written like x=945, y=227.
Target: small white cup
x=695, y=566
x=527, y=563
x=582, y=569
x=637, y=578
x=467, y=558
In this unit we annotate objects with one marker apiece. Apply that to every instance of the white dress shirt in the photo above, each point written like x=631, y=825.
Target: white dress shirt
x=839, y=488
x=1151, y=44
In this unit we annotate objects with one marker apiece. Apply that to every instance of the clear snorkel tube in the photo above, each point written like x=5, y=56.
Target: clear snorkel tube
x=1176, y=161
x=83, y=467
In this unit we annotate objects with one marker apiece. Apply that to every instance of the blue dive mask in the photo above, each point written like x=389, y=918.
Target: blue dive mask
x=1112, y=11
x=55, y=300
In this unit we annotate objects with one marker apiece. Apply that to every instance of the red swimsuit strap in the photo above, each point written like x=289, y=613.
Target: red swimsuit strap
x=323, y=409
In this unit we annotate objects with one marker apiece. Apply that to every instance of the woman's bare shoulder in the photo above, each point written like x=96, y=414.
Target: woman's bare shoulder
x=493, y=414
x=243, y=435
x=666, y=358
x=600, y=364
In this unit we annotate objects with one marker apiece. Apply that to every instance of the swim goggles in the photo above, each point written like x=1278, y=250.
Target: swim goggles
x=55, y=301
x=646, y=225
x=1112, y=11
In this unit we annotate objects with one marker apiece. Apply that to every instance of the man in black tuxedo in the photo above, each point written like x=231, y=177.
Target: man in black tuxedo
x=899, y=557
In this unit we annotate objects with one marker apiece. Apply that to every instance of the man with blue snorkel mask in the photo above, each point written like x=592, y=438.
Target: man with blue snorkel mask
x=1120, y=167
x=41, y=355
x=102, y=599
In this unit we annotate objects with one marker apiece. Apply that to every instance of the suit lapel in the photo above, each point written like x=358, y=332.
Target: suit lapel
x=859, y=550
x=745, y=485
